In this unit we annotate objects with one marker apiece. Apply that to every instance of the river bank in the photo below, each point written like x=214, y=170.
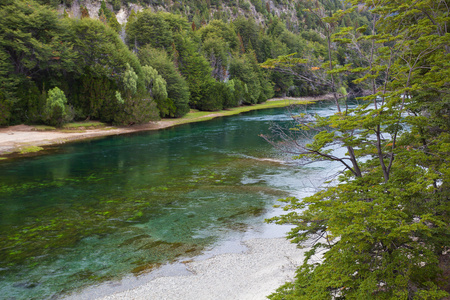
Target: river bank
x=252, y=270
x=123, y=206
x=27, y=140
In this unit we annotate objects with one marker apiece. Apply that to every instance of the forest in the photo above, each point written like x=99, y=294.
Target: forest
x=55, y=68
x=380, y=227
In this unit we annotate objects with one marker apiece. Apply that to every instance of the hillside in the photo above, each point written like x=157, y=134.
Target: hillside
x=131, y=62
x=199, y=12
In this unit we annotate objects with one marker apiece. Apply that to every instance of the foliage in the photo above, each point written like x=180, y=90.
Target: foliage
x=381, y=228
x=157, y=87
x=108, y=17
x=176, y=103
x=88, y=61
x=194, y=67
x=56, y=112
x=257, y=87
x=107, y=67
x=149, y=28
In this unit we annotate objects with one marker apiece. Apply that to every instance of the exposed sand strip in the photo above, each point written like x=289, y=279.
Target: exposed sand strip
x=250, y=275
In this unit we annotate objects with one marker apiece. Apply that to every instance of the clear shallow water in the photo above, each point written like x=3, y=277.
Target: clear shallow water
x=101, y=209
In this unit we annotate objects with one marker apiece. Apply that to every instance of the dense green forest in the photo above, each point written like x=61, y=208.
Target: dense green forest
x=55, y=68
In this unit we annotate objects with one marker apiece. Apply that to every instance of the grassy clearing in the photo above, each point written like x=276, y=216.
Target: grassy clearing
x=199, y=116
x=84, y=125
x=72, y=126
x=43, y=128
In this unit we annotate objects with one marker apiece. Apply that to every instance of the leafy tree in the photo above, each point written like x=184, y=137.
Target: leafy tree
x=157, y=87
x=256, y=85
x=383, y=226
x=106, y=65
x=177, y=23
x=176, y=104
x=222, y=30
x=248, y=32
x=33, y=49
x=213, y=99
x=107, y=83
x=149, y=29
x=231, y=97
x=56, y=112
x=216, y=51
x=194, y=67
x=218, y=42
x=8, y=86
x=130, y=80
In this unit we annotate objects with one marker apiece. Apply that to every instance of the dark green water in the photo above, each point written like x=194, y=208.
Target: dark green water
x=98, y=210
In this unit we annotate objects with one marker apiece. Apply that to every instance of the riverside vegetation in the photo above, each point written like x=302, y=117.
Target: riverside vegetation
x=382, y=227
x=55, y=69
x=380, y=230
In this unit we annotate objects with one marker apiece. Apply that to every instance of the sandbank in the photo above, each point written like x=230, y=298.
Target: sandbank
x=21, y=139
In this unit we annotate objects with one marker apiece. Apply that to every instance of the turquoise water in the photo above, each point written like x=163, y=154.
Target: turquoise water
x=98, y=210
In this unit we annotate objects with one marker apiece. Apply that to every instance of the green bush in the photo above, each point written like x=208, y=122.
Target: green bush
x=56, y=111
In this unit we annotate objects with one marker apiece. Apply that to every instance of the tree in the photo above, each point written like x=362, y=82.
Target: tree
x=257, y=86
x=8, y=84
x=194, y=67
x=248, y=32
x=383, y=225
x=105, y=66
x=149, y=28
x=176, y=104
x=157, y=87
x=108, y=17
x=33, y=50
x=56, y=111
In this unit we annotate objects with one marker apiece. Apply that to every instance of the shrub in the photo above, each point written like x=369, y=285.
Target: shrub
x=56, y=111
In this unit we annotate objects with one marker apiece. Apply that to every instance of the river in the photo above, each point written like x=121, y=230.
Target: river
x=102, y=209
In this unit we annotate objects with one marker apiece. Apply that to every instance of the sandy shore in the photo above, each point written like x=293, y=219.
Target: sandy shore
x=252, y=274
x=14, y=139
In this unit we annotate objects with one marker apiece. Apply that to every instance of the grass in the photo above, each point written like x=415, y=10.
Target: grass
x=199, y=116
x=72, y=130
x=30, y=149
x=84, y=125
x=43, y=128
x=72, y=126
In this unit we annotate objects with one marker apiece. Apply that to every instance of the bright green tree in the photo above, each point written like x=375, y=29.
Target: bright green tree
x=56, y=111
x=382, y=227
x=157, y=87
x=176, y=104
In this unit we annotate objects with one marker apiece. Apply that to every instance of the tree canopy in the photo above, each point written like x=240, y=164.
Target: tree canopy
x=381, y=227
